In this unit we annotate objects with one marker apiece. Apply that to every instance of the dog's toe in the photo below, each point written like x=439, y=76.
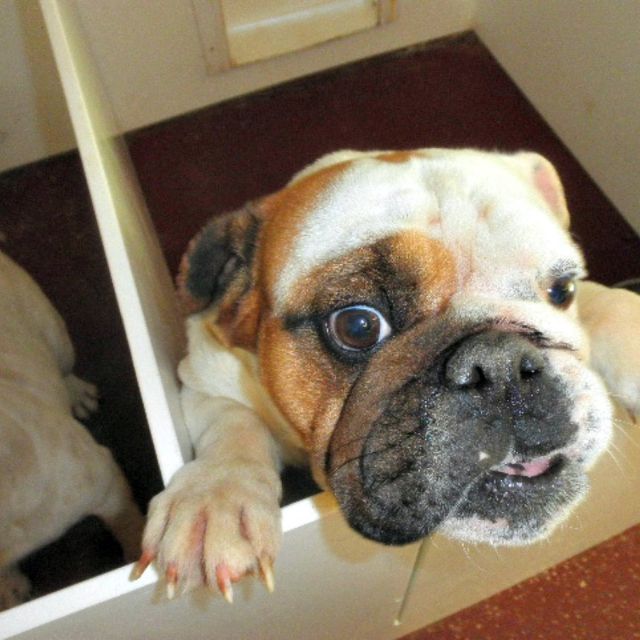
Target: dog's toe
x=83, y=396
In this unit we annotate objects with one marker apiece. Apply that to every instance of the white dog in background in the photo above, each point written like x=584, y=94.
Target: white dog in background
x=53, y=472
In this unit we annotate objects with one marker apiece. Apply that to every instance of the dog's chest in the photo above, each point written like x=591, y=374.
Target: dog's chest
x=219, y=371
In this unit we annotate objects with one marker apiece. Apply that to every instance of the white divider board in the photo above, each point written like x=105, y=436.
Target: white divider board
x=140, y=277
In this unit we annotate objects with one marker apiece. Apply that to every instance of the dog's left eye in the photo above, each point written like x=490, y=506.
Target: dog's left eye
x=357, y=328
x=562, y=292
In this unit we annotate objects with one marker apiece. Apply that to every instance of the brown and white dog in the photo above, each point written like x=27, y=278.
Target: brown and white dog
x=52, y=472
x=406, y=323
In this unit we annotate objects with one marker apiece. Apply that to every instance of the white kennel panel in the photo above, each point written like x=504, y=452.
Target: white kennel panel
x=330, y=583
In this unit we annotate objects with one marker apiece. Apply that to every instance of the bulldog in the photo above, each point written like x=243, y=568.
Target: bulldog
x=406, y=323
x=53, y=472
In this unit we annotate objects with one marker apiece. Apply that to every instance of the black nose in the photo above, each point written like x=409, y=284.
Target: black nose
x=493, y=361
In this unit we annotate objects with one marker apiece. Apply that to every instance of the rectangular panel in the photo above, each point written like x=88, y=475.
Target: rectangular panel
x=141, y=280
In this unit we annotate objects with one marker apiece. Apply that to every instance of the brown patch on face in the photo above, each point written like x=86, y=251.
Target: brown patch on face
x=427, y=263
x=397, y=157
x=306, y=383
x=238, y=320
x=408, y=277
x=417, y=273
x=284, y=213
x=485, y=212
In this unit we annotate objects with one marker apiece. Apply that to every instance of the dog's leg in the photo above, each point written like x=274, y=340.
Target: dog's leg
x=14, y=587
x=611, y=318
x=219, y=518
x=120, y=513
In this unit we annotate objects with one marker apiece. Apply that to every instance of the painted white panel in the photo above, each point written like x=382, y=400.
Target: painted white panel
x=262, y=30
x=155, y=62
x=577, y=61
x=140, y=276
x=34, y=122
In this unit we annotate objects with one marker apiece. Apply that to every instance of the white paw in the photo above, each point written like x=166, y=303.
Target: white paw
x=14, y=588
x=83, y=396
x=615, y=345
x=213, y=526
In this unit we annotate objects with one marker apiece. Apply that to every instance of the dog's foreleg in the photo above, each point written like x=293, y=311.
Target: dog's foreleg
x=611, y=318
x=219, y=518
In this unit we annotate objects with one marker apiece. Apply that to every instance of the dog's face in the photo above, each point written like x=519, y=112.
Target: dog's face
x=412, y=317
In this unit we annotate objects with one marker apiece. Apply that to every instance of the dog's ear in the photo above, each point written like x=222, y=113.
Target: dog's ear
x=217, y=268
x=539, y=172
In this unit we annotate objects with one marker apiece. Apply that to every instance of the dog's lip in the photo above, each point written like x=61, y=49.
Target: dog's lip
x=531, y=469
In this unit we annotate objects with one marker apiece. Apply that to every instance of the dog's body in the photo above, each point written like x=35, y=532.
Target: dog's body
x=52, y=471
x=404, y=321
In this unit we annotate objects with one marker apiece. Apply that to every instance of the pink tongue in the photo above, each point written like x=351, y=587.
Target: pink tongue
x=528, y=469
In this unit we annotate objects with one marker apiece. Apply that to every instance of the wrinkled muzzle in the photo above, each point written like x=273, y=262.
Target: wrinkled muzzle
x=432, y=420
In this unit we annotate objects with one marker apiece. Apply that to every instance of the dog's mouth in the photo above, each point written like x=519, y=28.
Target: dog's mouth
x=529, y=471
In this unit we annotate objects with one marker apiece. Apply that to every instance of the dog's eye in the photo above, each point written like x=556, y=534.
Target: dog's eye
x=357, y=328
x=562, y=292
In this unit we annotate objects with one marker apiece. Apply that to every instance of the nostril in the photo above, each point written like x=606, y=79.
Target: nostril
x=530, y=366
x=467, y=377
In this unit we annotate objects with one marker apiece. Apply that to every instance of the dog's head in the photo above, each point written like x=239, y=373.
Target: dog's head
x=412, y=315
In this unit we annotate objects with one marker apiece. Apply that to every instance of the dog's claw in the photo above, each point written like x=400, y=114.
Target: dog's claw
x=223, y=578
x=632, y=416
x=171, y=578
x=141, y=566
x=266, y=573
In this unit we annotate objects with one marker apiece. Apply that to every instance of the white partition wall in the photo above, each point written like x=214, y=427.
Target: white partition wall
x=577, y=61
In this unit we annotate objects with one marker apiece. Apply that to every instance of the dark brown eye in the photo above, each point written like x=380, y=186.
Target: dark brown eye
x=357, y=328
x=562, y=292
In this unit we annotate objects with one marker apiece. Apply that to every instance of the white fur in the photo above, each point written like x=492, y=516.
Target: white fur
x=53, y=472
x=443, y=194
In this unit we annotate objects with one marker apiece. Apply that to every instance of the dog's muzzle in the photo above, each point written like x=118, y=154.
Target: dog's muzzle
x=435, y=429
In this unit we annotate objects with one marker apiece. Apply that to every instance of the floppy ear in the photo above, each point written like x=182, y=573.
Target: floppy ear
x=542, y=175
x=217, y=268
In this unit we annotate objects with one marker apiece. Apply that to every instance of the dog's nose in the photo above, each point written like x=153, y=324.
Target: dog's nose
x=493, y=361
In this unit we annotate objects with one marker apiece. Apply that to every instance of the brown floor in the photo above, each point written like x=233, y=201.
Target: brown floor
x=450, y=93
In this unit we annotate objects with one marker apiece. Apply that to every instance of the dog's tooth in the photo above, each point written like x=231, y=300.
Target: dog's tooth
x=140, y=567
x=266, y=573
x=482, y=456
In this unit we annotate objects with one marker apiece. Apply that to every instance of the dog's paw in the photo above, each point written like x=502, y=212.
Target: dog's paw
x=214, y=526
x=14, y=588
x=83, y=396
x=612, y=319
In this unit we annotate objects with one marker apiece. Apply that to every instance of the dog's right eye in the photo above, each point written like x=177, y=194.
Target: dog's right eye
x=357, y=328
